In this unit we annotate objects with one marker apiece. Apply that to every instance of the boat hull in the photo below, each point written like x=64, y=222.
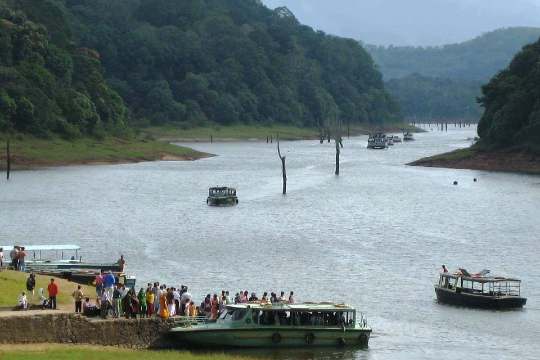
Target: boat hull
x=271, y=337
x=228, y=201
x=451, y=297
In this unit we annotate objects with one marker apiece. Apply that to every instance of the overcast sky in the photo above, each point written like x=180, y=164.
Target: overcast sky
x=412, y=22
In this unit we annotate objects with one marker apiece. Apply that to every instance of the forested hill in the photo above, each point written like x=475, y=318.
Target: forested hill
x=477, y=59
x=443, y=83
x=48, y=85
x=227, y=61
x=512, y=103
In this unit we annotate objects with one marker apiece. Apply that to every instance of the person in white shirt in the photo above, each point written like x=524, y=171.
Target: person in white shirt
x=23, y=301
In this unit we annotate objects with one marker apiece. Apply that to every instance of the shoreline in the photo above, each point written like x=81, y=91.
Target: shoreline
x=514, y=161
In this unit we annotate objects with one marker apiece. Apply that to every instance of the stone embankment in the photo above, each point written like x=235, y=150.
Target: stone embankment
x=76, y=329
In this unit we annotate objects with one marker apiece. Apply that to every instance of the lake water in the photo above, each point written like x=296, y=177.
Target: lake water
x=373, y=237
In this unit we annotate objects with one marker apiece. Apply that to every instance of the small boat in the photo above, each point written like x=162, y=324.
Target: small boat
x=408, y=136
x=222, y=196
x=390, y=140
x=396, y=139
x=377, y=141
x=479, y=291
x=256, y=325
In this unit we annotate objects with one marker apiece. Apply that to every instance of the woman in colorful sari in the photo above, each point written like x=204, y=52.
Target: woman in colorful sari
x=163, y=311
x=214, y=308
x=142, y=302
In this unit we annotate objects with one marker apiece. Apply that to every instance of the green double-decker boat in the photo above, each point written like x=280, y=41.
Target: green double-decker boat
x=222, y=196
x=255, y=325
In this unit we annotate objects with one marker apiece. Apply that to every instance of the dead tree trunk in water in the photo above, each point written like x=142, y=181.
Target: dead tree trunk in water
x=338, y=151
x=339, y=145
x=283, y=170
x=8, y=160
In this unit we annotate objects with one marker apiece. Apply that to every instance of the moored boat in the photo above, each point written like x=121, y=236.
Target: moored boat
x=377, y=141
x=277, y=325
x=390, y=140
x=396, y=139
x=408, y=136
x=222, y=196
x=480, y=291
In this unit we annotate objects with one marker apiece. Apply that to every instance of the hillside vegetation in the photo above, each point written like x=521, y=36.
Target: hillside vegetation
x=512, y=104
x=194, y=62
x=442, y=83
x=47, y=85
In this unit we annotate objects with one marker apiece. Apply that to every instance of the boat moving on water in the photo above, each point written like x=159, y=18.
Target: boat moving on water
x=278, y=325
x=480, y=291
x=222, y=196
x=377, y=141
x=408, y=136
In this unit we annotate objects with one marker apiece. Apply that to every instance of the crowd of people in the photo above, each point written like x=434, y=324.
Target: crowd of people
x=17, y=257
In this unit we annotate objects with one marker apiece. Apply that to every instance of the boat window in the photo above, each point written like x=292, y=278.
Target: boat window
x=226, y=314
x=239, y=314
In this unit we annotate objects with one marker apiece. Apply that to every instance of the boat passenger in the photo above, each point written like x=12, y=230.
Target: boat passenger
x=185, y=299
x=244, y=297
x=291, y=297
x=192, y=309
x=122, y=263
x=264, y=299
x=228, y=300
x=253, y=297
x=206, y=306
x=237, y=298
x=176, y=299
x=170, y=302
x=444, y=269
x=23, y=301
x=281, y=298
x=214, y=310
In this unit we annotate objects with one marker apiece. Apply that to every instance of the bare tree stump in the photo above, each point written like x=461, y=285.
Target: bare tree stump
x=283, y=169
x=8, y=160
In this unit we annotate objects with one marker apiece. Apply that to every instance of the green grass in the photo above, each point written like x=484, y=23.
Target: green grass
x=76, y=352
x=29, y=151
x=246, y=132
x=453, y=155
x=13, y=283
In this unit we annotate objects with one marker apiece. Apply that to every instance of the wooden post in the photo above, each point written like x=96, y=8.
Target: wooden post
x=8, y=160
x=271, y=139
x=348, y=131
x=211, y=139
x=267, y=140
x=283, y=170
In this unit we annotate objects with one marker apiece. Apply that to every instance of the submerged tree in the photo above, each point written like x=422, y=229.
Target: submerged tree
x=283, y=170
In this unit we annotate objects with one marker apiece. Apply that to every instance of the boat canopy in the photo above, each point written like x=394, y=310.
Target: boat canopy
x=44, y=247
x=294, y=307
x=480, y=279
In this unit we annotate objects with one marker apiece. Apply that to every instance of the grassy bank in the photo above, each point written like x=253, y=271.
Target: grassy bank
x=254, y=132
x=29, y=152
x=477, y=158
x=78, y=352
x=13, y=283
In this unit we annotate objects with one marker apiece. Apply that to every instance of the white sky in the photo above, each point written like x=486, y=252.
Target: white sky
x=412, y=22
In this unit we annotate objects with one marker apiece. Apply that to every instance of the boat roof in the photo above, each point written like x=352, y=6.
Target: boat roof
x=221, y=188
x=307, y=306
x=480, y=279
x=43, y=247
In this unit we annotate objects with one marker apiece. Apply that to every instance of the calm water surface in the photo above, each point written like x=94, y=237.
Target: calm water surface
x=373, y=237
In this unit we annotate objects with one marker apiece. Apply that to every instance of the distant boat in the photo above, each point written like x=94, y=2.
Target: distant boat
x=408, y=136
x=390, y=140
x=464, y=289
x=396, y=139
x=222, y=196
x=377, y=141
x=281, y=325
x=55, y=260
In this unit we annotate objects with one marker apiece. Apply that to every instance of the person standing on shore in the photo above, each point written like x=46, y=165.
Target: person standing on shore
x=1, y=259
x=117, y=296
x=53, y=293
x=14, y=255
x=150, y=298
x=22, y=255
x=108, y=284
x=157, y=297
x=99, y=287
x=78, y=297
x=142, y=303
x=31, y=284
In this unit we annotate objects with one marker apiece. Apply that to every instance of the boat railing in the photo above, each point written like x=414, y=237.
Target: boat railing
x=189, y=321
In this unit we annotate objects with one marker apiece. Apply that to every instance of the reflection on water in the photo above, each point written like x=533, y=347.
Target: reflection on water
x=374, y=237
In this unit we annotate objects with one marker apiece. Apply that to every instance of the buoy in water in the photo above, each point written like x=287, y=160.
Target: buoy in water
x=455, y=182
x=475, y=180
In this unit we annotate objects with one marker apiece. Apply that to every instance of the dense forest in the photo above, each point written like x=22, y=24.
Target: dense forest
x=512, y=103
x=49, y=86
x=442, y=99
x=187, y=63
x=420, y=77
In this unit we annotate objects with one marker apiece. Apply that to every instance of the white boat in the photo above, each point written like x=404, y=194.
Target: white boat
x=408, y=136
x=396, y=139
x=377, y=141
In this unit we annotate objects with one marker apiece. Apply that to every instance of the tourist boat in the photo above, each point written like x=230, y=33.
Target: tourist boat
x=256, y=325
x=222, y=196
x=396, y=139
x=377, y=141
x=390, y=140
x=55, y=260
x=480, y=291
x=408, y=136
